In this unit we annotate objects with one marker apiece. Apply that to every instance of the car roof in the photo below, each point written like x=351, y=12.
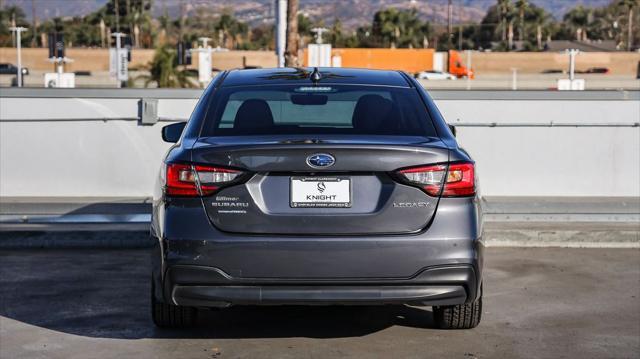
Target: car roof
x=301, y=75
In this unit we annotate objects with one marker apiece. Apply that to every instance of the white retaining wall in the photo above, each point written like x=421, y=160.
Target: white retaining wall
x=88, y=143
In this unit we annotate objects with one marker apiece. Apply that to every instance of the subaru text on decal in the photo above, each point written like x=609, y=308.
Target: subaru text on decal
x=327, y=186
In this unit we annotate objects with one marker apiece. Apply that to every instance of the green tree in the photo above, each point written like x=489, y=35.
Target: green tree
x=305, y=25
x=522, y=6
x=124, y=14
x=262, y=38
x=505, y=11
x=543, y=23
x=398, y=28
x=164, y=71
x=490, y=29
x=230, y=30
x=335, y=36
x=629, y=6
x=612, y=22
x=13, y=16
x=576, y=21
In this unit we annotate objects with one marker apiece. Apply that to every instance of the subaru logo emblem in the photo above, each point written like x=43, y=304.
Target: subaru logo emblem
x=320, y=160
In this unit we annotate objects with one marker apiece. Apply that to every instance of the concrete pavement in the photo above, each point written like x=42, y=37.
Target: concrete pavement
x=539, y=303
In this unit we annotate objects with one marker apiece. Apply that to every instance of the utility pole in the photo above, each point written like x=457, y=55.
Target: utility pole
x=281, y=30
x=128, y=6
x=449, y=15
x=183, y=19
x=117, y=11
x=572, y=63
x=18, y=30
x=449, y=24
x=630, y=30
x=469, y=69
x=34, y=24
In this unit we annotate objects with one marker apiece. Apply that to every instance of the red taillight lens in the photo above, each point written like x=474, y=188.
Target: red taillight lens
x=458, y=180
x=196, y=180
x=181, y=180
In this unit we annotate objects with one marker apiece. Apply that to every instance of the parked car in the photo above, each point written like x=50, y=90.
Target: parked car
x=597, y=70
x=10, y=69
x=316, y=187
x=435, y=75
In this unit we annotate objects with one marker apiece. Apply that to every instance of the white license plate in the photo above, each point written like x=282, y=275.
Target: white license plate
x=320, y=192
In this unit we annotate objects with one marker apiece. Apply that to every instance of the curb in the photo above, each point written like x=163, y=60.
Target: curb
x=76, y=240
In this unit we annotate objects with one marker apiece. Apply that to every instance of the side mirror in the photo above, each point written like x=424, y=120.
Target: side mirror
x=453, y=129
x=171, y=133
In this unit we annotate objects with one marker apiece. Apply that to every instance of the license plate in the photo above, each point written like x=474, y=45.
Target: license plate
x=320, y=192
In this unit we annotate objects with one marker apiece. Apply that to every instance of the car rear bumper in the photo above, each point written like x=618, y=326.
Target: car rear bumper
x=220, y=296
x=210, y=287
x=197, y=264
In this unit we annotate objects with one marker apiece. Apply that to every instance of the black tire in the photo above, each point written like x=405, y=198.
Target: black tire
x=463, y=316
x=172, y=316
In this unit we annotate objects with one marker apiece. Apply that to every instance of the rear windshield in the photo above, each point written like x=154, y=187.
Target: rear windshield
x=358, y=110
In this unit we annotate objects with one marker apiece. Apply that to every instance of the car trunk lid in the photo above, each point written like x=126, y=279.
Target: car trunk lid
x=368, y=198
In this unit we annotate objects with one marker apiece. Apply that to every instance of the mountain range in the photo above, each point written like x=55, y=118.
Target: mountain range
x=352, y=13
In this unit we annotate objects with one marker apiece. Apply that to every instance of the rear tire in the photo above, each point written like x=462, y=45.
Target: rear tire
x=462, y=316
x=172, y=316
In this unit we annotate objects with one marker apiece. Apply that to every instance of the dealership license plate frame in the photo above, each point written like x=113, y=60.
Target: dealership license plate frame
x=320, y=204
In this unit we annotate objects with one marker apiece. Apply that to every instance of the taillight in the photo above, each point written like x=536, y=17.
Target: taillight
x=458, y=179
x=197, y=180
x=429, y=177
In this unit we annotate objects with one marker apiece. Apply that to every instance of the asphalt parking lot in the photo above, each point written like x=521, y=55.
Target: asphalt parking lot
x=539, y=303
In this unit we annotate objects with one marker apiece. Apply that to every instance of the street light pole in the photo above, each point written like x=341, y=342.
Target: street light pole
x=319, y=31
x=281, y=30
x=449, y=25
x=572, y=63
x=18, y=30
x=118, y=36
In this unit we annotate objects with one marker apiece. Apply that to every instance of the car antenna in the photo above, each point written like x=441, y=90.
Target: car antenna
x=315, y=76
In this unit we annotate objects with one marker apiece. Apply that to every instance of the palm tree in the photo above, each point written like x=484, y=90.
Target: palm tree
x=629, y=4
x=504, y=8
x=577, y=19
x=291, y=51
x=399, y=28
x=539, y=21
x=522, y=6
x=229, y=29
x=163, y=70
x=604, y=24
